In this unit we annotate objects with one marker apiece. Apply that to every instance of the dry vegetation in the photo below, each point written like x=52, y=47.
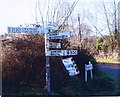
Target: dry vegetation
x=21, y=58
x=23, y=61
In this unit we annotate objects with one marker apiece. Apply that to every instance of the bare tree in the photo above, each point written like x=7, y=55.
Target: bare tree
x=106, y=14
x=112, y=27
x=56, y=11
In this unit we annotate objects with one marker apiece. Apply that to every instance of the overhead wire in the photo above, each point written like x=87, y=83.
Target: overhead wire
x=68, y=14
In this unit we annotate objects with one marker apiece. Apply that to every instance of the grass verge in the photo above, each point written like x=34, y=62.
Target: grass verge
x=106, y=60
x=115, y=82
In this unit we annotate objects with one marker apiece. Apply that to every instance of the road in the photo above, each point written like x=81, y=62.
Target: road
x=110, y=68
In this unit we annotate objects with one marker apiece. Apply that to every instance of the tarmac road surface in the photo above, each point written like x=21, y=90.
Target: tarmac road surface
x=110, y=68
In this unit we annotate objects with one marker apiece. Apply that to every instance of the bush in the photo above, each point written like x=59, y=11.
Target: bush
x=83, y=58
x=23, y=62
x=23, y=59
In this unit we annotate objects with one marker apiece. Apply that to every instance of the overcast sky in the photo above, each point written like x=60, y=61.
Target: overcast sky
x=19, y=12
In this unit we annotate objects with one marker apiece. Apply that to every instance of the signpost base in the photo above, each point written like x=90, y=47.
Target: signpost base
x=47, y=74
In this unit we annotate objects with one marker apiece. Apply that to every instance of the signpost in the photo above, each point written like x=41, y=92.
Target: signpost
x=59, y=35
x=52, y=26
x=53, y=45
x=27, y=30
x=47, y=65
x=88, y=67
x=48, y=36
x=61, y=52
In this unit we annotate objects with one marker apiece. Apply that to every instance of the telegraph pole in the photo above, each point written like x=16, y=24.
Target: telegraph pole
x=0, y=69
x=80, y=37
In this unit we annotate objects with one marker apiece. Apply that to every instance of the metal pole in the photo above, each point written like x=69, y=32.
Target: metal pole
x=47, y=64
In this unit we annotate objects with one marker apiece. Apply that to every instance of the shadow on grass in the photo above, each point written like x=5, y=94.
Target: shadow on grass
x=97, y=86
x=74, y=86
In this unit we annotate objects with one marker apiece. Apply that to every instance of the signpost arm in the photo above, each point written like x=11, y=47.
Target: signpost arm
x=47, y=65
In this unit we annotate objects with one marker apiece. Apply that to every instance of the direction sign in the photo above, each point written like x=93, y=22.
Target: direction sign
x=52, y=26
x=61, y=52
x=59, y=35
x=26, y=30
x=53, y=45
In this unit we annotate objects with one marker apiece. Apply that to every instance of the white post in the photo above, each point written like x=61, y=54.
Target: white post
x=86, y=75
x=91, y=70
x=119, y=29
x=91, y=74
x=47, y=65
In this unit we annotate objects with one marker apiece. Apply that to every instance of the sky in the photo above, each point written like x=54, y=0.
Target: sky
x=19, y=12
x=14, y=13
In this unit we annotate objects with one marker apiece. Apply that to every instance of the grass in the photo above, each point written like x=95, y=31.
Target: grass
x=76, y=87
x=115, y=82
x=107, y=60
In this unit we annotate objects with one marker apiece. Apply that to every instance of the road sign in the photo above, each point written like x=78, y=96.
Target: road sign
x=88, y=67
x=53, y=45
x=61, y=52
x=70, y=66
x=14, y=29
x=60, y=35
x=26, y=30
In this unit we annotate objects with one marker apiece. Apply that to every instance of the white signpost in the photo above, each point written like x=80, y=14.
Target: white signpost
x=70, y=66
x=48, y=45
x=47, y=65
x=60, y=35
x=53, y=45
x=27, y=30
x=52, y=26
x=61, y=52
x=88, y=67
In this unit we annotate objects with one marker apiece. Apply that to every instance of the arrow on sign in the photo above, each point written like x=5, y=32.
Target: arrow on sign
x=27, y=30
x=61, y=52
x=60, y=35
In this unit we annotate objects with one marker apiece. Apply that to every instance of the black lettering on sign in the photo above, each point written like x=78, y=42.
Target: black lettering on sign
x=67, y=52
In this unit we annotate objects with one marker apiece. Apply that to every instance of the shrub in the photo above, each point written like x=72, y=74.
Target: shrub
x=83, y=58
x=23, y=59
x=23, y=62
